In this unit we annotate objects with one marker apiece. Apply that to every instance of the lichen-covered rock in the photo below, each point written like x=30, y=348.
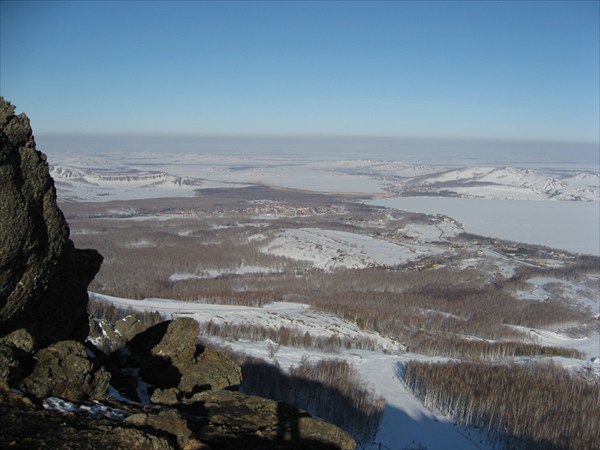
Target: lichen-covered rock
x=65, y=370
x=9, y=365
x=170, y=396
x=108, y=337
x=26, y=425
x=127, y=327
x=43, y=278
x=15, y=356
x=19, y=339
x=239, y=421
x=168, y=356
x=170, y=421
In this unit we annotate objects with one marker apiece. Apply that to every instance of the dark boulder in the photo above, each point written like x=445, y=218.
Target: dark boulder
x=15, y=356
x=66, y=370
x=237, y=421
x=43, y=278
x=171, y=361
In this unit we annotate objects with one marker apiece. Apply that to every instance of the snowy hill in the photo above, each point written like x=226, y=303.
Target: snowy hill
x=93, y=179
x=328, y=249
x=505, y=183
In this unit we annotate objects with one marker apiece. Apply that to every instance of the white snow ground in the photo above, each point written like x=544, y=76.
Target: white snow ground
x=572, y=226
x=330, y=249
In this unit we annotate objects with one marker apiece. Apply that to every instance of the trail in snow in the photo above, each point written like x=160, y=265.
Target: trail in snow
x=406, y=422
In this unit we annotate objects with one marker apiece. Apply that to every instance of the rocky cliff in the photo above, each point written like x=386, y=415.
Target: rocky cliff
x=161, y=391
x=43, y=278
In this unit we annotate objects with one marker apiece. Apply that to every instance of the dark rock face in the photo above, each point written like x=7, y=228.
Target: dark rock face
x=239, y=421
x=25, y=425
x=43, y=278
x=65, y=370
x=174, y=365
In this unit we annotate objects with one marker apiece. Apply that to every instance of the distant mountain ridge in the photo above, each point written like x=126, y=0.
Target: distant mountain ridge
x=155, y=175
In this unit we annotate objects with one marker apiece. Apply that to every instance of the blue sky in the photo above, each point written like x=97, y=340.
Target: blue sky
x=507, y=70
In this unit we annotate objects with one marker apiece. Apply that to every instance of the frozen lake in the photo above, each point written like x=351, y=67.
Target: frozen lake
x=571, y=226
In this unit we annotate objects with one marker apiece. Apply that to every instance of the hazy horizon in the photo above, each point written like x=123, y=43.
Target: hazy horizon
x=452, y=151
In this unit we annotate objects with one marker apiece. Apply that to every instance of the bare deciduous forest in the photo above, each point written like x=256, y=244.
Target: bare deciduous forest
x=542, y=405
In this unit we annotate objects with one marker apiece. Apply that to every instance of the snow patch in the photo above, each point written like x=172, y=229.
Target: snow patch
x=96, y=409
x=329, y=249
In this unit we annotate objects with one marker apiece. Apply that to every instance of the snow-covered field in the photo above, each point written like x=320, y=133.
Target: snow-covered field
x=131, y=173
x=329, y=249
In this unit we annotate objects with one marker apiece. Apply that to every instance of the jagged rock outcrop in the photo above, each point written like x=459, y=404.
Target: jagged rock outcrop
x=26, y=425
x=168, y=358
x=238, y=421
x=65, y=370
x=44, y=322
x=43, y=278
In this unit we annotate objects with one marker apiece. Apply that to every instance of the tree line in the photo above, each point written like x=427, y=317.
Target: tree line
x=533, y=406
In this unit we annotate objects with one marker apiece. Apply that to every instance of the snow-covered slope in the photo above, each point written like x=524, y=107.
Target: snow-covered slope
x=329, y=249
x=83, y=181
x=406, y=422
x=505, y=183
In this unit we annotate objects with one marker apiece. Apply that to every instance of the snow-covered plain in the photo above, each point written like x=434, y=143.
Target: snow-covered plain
x=547, y=206
x=571, y=226
x=184, y=173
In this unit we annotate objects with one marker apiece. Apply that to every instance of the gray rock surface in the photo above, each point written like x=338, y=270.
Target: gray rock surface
x=65, y=370
x=25, y=425
x=43, y=278
x=239, y=421
x=168, y=356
